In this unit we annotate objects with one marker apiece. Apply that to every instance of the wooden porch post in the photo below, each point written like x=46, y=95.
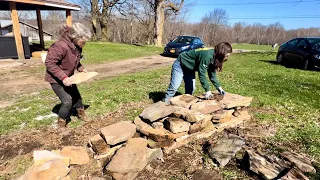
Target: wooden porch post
x=69, y=18
x=16, y=30
x=40, y=27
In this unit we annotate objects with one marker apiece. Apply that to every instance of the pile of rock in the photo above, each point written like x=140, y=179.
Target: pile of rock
x=189, y=118
x=125, y=148
x=288, y=166
x=52, y=165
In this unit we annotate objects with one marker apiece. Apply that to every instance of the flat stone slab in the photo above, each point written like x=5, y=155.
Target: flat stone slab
x=51, y=170
x=206, y=174
x=159, y=134
x=82, y=77
x=98, y=144
x=188, y=115
x=118, y=132
x=226, y=148
x=301, y=162
x=262, y=166
x=294, y=174
x=234, y=100
x=176, y=125
x=185, y=100
x=130, y=158
x=41, y=157
x=77, y=154
x=157, y=111
x=206, y=106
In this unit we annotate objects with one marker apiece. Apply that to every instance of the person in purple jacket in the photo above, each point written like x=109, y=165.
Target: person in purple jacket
x=63, y=58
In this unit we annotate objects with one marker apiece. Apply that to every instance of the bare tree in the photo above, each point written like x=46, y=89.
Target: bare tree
x=216, y=21
x=160, y=6
x=238, y=31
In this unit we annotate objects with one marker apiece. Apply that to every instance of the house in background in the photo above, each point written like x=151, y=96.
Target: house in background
x=26, y=30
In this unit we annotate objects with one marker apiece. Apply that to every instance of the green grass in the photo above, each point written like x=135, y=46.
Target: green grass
x=101, y=52
x=253, y=47
x=292, y=93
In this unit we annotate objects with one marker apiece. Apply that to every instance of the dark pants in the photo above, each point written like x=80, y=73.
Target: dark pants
x=69, y=96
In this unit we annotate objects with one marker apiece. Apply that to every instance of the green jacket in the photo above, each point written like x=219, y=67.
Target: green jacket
x=200, y=60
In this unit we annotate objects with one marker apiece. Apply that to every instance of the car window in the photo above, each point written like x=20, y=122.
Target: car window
x=183, y=40
x=315, y=44
x=293, y=42
x=302, y=44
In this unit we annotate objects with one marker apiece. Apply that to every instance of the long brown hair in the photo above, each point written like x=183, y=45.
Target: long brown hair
x=220, y=52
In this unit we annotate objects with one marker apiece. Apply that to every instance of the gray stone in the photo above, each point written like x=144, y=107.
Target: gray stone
x=261, y=166
x=119, y=132
x=154, y=154
x=157, y=111
x=299, y=161
x=157, y=125
x=176, y=125
x=205, y=174
x=184, y=100
x=131, y=158
x=226, y=148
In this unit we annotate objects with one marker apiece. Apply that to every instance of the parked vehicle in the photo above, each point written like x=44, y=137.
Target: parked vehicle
x=181, y=44
x=304, y=52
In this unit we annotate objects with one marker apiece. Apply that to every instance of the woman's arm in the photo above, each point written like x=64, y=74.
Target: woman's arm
x=55, y=54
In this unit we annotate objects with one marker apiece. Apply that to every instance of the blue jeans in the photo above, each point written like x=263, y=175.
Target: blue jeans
x=177, y=75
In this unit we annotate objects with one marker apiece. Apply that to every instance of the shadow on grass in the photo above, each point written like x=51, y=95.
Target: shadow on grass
x=73, y=111
x=287, y=65
x=158, y=96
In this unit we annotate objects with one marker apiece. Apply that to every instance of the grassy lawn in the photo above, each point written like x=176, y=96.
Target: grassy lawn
x=292, y=94
x=101, y=52
x=254, y=47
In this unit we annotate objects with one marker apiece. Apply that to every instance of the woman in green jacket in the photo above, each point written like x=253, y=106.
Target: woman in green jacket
x=202, y=60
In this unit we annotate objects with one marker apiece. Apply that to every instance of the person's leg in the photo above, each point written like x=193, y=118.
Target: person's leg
x=175, y=82
x=77, y=102
x=66, y=103
x=190, y=82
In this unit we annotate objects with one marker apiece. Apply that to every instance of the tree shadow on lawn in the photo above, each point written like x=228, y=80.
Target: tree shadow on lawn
x=291, y=66
x=158, y=95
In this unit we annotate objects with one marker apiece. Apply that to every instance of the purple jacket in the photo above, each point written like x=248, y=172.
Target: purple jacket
x=62, y=60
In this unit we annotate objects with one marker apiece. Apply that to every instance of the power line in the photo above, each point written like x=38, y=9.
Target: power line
x=275, y=17
x=258, y=3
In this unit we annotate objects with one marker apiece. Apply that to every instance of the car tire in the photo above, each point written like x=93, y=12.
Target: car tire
x=280, y=58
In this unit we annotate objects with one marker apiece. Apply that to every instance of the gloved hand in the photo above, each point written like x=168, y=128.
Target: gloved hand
x=208, y=95
x=67, y=82
x=221, y=91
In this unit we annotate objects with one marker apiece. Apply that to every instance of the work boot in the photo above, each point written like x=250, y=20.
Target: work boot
x=61, y=123
x=82, y=114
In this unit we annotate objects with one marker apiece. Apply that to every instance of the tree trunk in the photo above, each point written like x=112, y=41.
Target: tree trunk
x=158, y=23
x=104, y=20
x=95, y=21
x=159, y=8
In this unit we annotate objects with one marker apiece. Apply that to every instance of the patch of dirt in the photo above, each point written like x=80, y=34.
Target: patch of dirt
x=23, y=80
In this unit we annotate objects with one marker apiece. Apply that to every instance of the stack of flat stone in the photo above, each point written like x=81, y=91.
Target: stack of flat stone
x=189, y=118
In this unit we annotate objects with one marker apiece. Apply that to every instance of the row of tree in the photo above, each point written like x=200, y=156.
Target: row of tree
x=158, y=21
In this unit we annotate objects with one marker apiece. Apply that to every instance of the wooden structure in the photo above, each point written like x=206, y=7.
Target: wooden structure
x=36, y=5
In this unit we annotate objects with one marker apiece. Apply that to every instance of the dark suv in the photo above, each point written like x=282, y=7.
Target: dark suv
x=181, y=44
x=304, y=52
